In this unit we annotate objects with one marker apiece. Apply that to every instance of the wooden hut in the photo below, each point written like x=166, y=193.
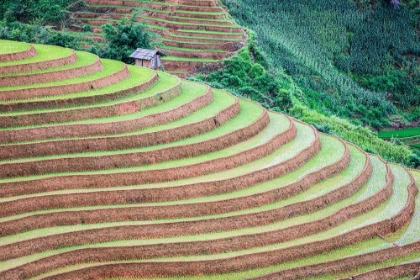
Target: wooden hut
x=147, y=58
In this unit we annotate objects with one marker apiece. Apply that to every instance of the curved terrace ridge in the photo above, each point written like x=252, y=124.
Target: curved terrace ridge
x=147, y=175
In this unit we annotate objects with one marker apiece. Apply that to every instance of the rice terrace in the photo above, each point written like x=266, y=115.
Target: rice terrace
x=114, y=171
x=193, y=31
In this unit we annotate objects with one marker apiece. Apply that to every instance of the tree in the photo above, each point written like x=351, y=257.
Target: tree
x=124, y=38
x=43, y=12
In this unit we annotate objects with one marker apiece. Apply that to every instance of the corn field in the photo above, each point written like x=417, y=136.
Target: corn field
x=324, y=44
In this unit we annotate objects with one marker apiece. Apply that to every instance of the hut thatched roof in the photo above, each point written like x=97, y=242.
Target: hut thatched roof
x=145, y=54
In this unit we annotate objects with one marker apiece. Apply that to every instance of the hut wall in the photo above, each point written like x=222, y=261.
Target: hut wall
x=142, y=62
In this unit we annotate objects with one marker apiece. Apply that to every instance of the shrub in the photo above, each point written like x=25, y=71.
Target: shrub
x=249, y=92
x=123, y=38
x=326, y=128
x=44, y=12
x=64, y=40
x=38, y=34
x=357, y=134
x=244, y=75
x=413, y=160
x=256, y=71
x=87, y=28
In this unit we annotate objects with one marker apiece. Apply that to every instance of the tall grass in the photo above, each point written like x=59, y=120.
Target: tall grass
x=319, y=43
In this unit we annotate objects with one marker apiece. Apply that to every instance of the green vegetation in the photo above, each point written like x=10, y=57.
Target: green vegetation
x=321, y=94
x=416, y=174
x=41, y=12
x=38, y=34
x=359, y=135
x=320, y=44
x=247, y=75
x=272, y=193
x=123, y=38
x=409, y=137
x=257, y=81
x=33, y=21
x=401, y=133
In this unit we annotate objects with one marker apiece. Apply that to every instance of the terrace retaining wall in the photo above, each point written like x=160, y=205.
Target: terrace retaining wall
x=107, y=128
x=210, y=3
x=85, y=163
x=204, y=9
x=226, y=35
x=129, y=232
x=72, y=58
x=195, y=54
x=191, y=19
x=154, y=5
x=408, y=269
x=95, y=112
x=106, y=143
x=26, y=93
x=10, y=189
x=226, y=46
x=334, y=196
x=182, y=25
x=22, y=247
x=86, y=15
x=171, y=36
x=77, y=101
x=125, y=250
x=209, y=16
x=346, y=264
x=30, y=52
x=198, y=226
x=243, y=262
x=174, y=65
x=209, y=208
x=64, y=74
x=149, y=194
x=135, y=177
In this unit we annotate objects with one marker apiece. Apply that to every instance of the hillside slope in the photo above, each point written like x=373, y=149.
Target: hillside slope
x=358, y=60
x=194, y=32
x=109, y=170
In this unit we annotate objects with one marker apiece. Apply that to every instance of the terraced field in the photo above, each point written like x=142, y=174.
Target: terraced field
x=408, y=136
x=194, y=32
x=121, y=172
